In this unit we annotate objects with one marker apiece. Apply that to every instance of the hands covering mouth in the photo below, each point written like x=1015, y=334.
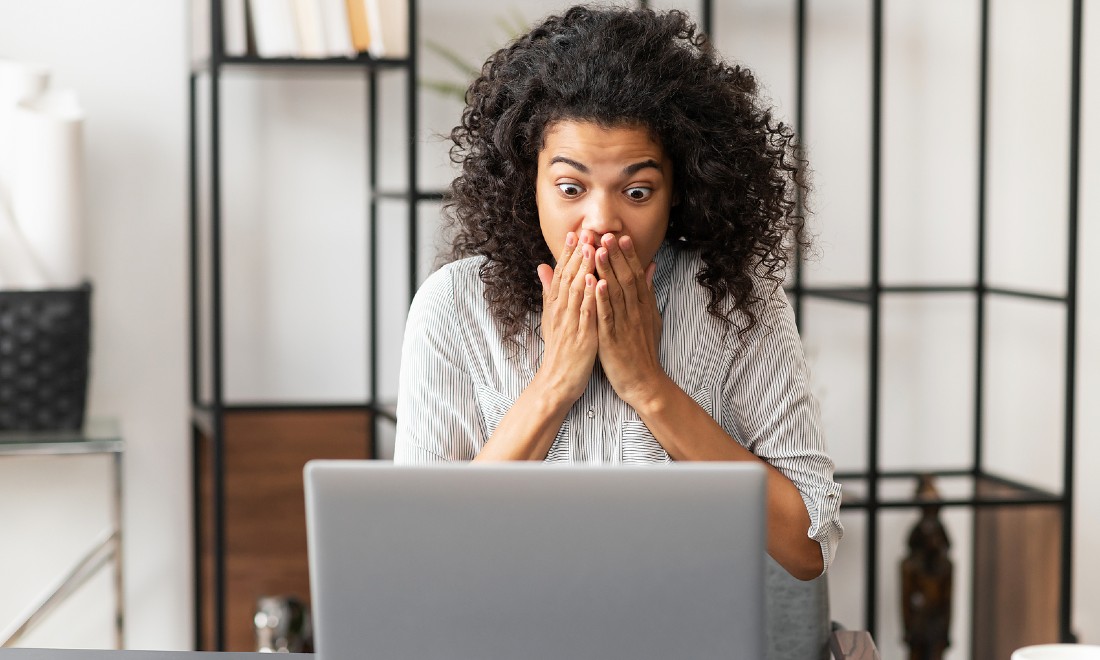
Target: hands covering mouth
x=598, y=301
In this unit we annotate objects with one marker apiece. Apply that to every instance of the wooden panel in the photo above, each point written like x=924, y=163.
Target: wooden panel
x=265, y=541
x=1017, y=571
x=206, y=543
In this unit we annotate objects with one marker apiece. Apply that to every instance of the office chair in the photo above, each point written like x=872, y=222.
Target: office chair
x=798, y=623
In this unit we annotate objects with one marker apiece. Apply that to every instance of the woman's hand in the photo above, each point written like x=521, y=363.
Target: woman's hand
x=569, y=329
x=628, y=321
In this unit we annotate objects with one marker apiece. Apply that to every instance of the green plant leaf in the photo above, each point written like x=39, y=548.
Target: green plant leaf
x=452, y=57
x=446, y=88
x=512, y=25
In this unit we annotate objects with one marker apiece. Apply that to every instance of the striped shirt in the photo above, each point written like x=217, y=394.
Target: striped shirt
x=459, y=378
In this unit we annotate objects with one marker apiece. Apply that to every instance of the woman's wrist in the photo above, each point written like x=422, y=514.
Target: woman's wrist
x=654, y=398
x=530, y=425
x=552, y=393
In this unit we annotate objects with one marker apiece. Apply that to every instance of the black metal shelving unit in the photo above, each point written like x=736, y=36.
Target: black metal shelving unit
x=865, y=488
x=208, y=412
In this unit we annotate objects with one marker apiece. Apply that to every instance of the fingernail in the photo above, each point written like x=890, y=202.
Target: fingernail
x=570, y=239
x=601, y=254
x=625, y=243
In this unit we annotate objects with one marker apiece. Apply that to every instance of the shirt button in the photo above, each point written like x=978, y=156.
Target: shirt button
x=591, y=413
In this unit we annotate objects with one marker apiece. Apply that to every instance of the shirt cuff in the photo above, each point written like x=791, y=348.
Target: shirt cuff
x=825, y=527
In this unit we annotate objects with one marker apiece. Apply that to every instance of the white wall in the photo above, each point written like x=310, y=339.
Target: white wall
x=126, y=61
x=284, y=246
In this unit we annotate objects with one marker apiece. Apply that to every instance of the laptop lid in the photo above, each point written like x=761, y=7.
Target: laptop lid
x=528, y=561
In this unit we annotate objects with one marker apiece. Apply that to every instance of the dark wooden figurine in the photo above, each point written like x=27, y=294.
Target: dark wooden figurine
x=926, y=576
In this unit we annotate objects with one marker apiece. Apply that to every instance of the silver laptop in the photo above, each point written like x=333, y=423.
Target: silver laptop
x=524, y=561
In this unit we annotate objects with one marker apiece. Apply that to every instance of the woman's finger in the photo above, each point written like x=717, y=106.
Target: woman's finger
x=589, y=305
x=577, y=281
x=619, y=264
x=546, y=278
x=567, y=253
x=615, y=297
x=568, y=272
x=605, y=312
x=630, y=258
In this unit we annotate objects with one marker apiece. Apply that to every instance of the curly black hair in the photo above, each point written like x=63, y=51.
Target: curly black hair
x=737, y=173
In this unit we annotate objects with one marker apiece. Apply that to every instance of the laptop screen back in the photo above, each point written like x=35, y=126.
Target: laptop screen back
x=531, y=561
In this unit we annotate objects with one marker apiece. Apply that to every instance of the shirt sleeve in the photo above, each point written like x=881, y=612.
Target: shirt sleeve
x=437, y=417
x=770, y=409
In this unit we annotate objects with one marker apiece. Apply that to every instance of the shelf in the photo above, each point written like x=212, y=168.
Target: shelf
x=1031, y=295
x=202, y=416
x=99, y=436
x=258, y=456
x=864, y=295
x=958, y=488
x=203, y=420
x=248, y=456
x=362, y=61
x=857, y=295
x=386, y=410
x=404, y=196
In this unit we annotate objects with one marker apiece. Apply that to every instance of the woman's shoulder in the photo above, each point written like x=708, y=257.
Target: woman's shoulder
x=689, y=262
x=768, y=299
x=452, y=284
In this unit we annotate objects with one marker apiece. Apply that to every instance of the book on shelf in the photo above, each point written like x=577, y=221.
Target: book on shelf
x=311, y=30
x=305, y=28
x=389, y=28
x=357, y=20
x=275, y=28
x=200, y=30
x=334, y=16
x=234, y=28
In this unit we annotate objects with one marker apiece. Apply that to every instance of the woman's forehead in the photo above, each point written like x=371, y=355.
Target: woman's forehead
x=556, y=124
x=596, y=141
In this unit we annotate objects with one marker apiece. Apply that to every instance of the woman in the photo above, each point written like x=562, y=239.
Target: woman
x=622, y=223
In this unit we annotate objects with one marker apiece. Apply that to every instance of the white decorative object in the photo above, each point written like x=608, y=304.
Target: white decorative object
x=1057, y=652
x=18, y=82
x=18, y=267
x=47, y=186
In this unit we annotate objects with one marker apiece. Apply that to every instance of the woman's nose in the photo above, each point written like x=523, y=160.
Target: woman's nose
x=601, y=216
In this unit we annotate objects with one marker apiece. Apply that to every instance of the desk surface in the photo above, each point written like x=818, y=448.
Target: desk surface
x=81, y=654
x=846, y=644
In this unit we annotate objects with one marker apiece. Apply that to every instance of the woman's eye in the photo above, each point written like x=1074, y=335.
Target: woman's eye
x=639, y=193
x=570, y=189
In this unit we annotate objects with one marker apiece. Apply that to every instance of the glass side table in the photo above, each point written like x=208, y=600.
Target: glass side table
x=99, y=436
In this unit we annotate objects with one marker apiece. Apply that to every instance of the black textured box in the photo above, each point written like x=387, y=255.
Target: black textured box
x=45, y=339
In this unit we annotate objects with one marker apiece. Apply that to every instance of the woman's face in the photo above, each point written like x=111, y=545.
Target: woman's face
x=594, y=181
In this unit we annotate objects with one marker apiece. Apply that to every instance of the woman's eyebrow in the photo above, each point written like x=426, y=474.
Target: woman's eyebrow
x=570, y=162
x=629, y=170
